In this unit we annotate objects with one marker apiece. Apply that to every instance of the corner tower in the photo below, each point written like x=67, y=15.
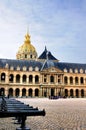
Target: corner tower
x=26, y=51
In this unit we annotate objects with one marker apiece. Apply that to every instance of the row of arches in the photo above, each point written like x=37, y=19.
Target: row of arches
x=74, y=93
x=24, y=78
x=18, y=78
x=72, y=80
x=23, y=92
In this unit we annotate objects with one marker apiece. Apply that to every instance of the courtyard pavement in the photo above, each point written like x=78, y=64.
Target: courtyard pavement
x=61, y=114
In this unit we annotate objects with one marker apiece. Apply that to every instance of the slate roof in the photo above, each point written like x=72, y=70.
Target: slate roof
x=63, y=65
x=47, y=55
x=41, y=65
x=20, y=63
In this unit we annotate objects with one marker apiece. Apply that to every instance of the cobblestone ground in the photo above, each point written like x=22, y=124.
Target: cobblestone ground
x=61, y=114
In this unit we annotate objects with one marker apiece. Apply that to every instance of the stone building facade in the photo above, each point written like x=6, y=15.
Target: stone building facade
x=43, y=76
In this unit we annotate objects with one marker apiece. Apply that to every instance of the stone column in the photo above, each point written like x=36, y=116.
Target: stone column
x=27, y=80
x=33, y=94
x=40, y=91
x=74, y=93
x=7, y=78
x=55, y=77
x=33, y=80
x=6, y=92
x=13, y=92
x=79, y=80
x=14, y=80
x=48, y=79
x=21, y=79
x=68, y=80
x=20, y=93
x=27, y=92
x=55, y=91
x=73, y=80
x=85, y=93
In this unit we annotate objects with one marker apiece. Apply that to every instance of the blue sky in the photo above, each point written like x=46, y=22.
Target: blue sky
x=60, y=25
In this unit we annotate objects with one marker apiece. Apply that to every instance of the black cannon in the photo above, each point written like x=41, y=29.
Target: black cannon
x=14, y=108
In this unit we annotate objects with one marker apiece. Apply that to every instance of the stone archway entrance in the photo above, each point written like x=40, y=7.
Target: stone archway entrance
x=10, y=92
x=17, y=92
x=2, y=91
x=52, y=92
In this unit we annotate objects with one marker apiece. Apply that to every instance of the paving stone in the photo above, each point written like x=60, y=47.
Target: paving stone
x=61, y=114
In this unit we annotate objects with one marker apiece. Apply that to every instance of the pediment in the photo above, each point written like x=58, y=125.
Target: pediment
x=53, y=69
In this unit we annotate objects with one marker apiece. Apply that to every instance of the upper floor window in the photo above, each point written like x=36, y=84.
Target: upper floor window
x=65, y=79
x=3, y=76
x=17, y=78
x=11, y=77
x=52, y=79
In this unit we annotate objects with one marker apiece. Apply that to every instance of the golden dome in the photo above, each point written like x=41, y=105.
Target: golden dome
x=27, y=50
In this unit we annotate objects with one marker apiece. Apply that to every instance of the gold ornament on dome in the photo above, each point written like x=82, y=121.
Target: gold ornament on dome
x=26, y=49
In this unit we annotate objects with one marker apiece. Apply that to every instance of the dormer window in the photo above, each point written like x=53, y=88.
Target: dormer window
x=6, y=66
x=65, y=70
x=81, y=70
x=71, y=71
x=24, y=68
x=30, y=68
x=76, y=70
x=36, y=68
x=18, y=68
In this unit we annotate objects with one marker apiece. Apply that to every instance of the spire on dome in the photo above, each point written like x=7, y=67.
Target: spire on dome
x=27, y=38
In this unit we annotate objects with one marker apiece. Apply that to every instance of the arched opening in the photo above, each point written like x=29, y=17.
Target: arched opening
x=65, y=79
x=36, y=79
x=3, y=77
x=71, y=93
x=66, y=92
x=17, y=92
x=52, y=92
x=52, y=79
x=24, y=78
x=30, y=92
x=71, y=80
x=76, y=80
x=77, y=93
x=81, y=80
x=11, y=77
x=11, y=92
x=30, y=78
x=17, y=78
x=82, y=92
x=23, y=92
x=36, y=92
x=2, y=92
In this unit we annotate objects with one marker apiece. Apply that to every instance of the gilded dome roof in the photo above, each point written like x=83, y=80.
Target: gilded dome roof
x=27, y=50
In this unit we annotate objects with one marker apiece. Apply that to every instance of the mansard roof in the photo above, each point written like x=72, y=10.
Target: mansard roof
x=20, y=63
x=63, y=65
x=41, y=65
